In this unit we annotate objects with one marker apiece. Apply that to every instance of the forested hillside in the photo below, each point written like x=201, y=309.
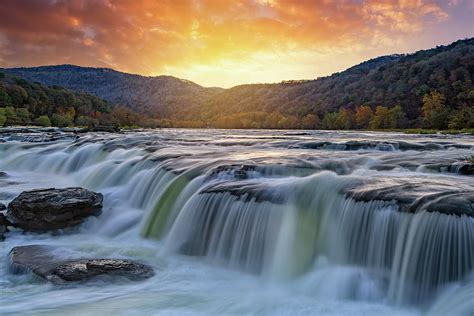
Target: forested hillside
x=162, y=96
x=431, y=89
x=390, y=81
x=26, y=103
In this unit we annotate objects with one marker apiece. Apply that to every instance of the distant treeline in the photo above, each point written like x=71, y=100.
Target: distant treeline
x=435, y=114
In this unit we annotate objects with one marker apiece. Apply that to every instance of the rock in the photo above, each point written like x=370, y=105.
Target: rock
x=466, y=169
x=3, y=226
x=2, y=207
x=101, y=129
x=51, y=209
x=414, y=195
x=45, y=262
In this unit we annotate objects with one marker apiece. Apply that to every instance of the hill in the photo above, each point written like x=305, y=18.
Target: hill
x=405, y=90
x=388, y=81
x=162, y=96
x=24, y=103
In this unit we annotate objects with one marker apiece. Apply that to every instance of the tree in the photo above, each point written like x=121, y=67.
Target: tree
x=363, y=116
x=434, y=110
x=10, y=114
x=381, y=119
x=18, y=95
x=23, y=116
x=3, y=118
x=462, y=119
x=43, y=121
x=86, y=121
x=61, y=120
x=330, y=120
x=5, y=99
x=345, y=119
x=310, y=121
x=397, y=117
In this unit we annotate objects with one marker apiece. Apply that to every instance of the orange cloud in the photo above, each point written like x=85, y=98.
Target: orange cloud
x=213, y=42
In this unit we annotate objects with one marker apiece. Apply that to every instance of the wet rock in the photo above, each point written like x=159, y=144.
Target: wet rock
x=101, y=129
x=4, y=223
x=415, y=195
x=2, y=207
x=45, y=262
x=465, y=169
x=236, y=171
x=3, y=174
x=51, y=209
x=249, y=190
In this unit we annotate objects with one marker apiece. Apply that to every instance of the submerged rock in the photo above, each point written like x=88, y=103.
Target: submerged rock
x=44, y=262
x=52, y=209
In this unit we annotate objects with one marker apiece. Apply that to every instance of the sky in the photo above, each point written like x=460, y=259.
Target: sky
x=225, y=43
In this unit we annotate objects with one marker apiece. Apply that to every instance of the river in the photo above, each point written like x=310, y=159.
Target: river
x=254, y=222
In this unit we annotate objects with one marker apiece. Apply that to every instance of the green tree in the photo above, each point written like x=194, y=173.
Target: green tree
x=330, y=120
x=462, y=119
x=381, y=119
x=397, y=117
x=23, y=116
x=18, y=95
x=435, y=112
x=61, y=120
x=3, y=118
x=5, y=99
x=43, y=121
x=10, y=114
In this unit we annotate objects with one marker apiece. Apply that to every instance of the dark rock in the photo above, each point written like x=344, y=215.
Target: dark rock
x=466, y=169
x=240, y=172
x=2, y=207
x=4, y=223
x=416, y=195
x=101, y=129
x=44, y=262
x=3, y=174
x=52, y=209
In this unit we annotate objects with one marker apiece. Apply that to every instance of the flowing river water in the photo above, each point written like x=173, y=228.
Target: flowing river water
x=254, y=222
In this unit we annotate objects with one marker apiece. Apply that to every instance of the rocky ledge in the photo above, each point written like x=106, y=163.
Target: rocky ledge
x=51, y=209
x=413, y=195
x=44, y=262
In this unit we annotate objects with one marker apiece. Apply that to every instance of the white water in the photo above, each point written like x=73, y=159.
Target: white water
x=237, y=224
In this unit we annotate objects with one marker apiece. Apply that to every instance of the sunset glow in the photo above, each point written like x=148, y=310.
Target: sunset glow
x=224, y=43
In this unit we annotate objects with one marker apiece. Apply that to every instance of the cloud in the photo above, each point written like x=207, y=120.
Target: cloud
x=153, y=37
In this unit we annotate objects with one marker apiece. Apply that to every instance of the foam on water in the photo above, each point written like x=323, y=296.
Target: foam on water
x=263, y=224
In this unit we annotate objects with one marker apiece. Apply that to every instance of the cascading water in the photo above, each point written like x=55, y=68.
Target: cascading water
x=374, y=225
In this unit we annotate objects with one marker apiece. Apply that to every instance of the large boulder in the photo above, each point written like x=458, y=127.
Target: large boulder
x=46, y=263
x=51, y=209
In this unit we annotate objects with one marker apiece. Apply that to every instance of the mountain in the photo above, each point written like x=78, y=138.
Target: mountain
x=388, y=81
x=160, y=96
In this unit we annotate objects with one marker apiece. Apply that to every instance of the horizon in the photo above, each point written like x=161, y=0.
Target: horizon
x=225, y=45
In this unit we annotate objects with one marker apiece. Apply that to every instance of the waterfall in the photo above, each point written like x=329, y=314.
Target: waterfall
x=287, y=220
x=411, y=254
